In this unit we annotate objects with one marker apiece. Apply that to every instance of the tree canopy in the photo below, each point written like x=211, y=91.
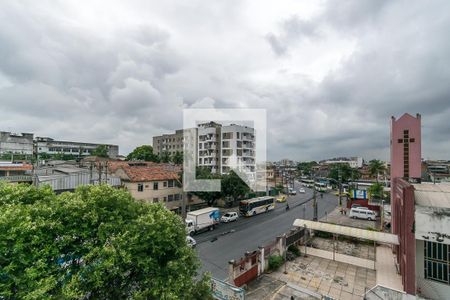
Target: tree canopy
x=305, y=168
x=177, y=158
x=95, y=243
x=376, y=167
x=232, y=186
x=343, y=172
x=165, y=157
x=101, y=151
x=376, y=191
x=144, y=152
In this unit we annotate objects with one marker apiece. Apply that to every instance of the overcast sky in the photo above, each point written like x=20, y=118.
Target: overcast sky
x=329, y=73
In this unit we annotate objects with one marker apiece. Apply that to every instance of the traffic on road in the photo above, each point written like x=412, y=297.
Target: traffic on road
x=231, y=239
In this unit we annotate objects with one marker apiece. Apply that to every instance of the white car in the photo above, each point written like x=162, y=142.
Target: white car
x=229, y=217
x=292, y=191
x=190, y=241
x=302, y=190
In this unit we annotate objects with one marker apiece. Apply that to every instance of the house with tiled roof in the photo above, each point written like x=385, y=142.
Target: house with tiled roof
x=151, y=182
x=15, y=172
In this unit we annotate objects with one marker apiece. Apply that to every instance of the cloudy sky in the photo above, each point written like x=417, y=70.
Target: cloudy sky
x=329, y=73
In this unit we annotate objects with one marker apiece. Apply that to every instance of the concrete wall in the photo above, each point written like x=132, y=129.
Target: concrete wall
x=16, y=143
x=148, y=194
x=402, y=220
x=428, y=288
x=168, y=143
x=413, y=125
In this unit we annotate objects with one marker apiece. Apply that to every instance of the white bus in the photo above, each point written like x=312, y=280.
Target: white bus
x=309, y=183
x=321, y=187
x=254, y=206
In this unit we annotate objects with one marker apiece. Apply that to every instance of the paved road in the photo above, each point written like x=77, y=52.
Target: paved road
x=232, y=240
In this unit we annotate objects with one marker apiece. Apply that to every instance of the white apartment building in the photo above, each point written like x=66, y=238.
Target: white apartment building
x=221, y=147
x=353, y=162
x=209, y=146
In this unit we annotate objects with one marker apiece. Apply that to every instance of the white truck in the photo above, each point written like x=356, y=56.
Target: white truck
x=202, y=219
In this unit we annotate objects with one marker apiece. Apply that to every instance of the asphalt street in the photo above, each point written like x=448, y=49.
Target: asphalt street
x=230, y=241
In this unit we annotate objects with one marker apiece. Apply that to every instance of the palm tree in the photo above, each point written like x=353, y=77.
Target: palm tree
x=376, y=167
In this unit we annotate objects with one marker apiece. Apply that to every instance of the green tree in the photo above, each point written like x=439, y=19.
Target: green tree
x=209, y=197
x=376, y=167
x=178, y=158
x=305, y=168
x=165, y=157
x=344, y=171
x=144, y=152
x=233, y=186
x=101, y=151
x=44, y=155
x=376, y=191
x=96, y=243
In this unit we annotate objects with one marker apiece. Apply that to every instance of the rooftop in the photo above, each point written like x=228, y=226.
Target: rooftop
x=15, y=166
x=432, y=195
x=146, y=171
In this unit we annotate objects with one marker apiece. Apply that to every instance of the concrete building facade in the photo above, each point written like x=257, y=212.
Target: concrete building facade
x=170, y=143
x=353, y=162
x=51, y=146
x=16, y=143
x=26, y=144
x=222, y=147
x=150, y=182
x=405, y=145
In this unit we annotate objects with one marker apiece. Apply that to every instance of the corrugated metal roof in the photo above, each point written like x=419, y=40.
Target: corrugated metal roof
x=433, y=195
x=381, y=237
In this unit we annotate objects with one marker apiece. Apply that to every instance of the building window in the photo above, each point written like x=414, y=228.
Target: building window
x=155, y=200
x=400, y=141
x=171, y=183
x=177, y=197
x=140, y=187
x=436, y=262
x=170, y=198
x=165, y=184
x=155, y=185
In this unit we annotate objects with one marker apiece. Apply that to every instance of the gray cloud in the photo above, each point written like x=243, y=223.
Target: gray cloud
x=122, y=72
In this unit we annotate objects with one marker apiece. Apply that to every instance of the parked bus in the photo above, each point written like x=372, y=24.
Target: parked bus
x=321, y=187
x=309, y=183
x=254, y=206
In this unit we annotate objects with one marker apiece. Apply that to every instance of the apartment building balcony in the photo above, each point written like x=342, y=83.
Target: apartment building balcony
x=246, y=137
x=210, y=147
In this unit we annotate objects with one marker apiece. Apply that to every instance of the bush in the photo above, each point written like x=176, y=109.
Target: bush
x=294, y=249
x=275, y=262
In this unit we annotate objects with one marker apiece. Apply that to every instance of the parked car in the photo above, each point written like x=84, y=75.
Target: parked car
x=301, y=190
x=362, y=213
x=229, y=217
x=281, y=198
x=190, y=241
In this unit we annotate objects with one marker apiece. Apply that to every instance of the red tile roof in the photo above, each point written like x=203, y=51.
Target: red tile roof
x=146, y=171
x=18, y=167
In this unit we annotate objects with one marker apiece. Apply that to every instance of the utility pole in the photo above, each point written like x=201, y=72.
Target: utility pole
x=340, y=187
x=315, y=218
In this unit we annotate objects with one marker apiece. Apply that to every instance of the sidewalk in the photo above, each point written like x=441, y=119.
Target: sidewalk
x=352, y=260
x=386, y=270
